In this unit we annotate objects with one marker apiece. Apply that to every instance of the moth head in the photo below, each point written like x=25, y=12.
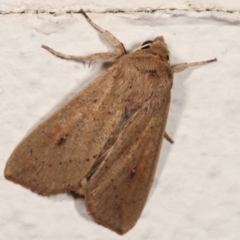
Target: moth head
x=157, y=46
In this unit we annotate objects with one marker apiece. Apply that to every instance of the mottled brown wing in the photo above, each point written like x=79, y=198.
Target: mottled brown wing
x=104, y=143
x=116, y=192
x=118, y=186
x=56, y=156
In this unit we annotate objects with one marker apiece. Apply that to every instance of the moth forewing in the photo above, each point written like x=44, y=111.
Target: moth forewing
x=47, y=159
x=130, y=168
x=105, y=142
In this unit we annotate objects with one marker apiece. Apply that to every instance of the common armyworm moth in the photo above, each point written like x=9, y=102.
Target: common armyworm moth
x=104, y=144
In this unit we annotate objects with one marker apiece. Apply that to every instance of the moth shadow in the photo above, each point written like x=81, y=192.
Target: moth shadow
x=78, y=203
x=80, y=206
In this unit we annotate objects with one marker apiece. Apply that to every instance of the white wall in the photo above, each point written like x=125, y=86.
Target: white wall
x=196, y=192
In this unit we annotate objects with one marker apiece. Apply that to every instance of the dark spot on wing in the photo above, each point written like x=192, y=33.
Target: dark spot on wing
x=126, y=114
x=132, y=173
x=62, y=140
x=152, y=73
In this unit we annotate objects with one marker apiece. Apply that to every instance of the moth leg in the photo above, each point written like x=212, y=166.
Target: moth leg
x=182, y=66
x=105, y=56
x=108, y=36
x=166, y=136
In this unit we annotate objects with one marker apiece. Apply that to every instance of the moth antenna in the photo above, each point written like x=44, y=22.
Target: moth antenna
x=145, y=45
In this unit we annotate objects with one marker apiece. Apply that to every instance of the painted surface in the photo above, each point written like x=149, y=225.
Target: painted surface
x=196, y=192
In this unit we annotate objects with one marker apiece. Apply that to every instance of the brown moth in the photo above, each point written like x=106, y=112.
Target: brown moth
x=104, y=144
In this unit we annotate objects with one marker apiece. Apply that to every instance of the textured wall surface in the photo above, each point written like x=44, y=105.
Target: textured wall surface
x=196, y=192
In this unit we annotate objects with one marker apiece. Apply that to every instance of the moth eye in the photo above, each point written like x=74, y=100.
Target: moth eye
x=167, y=57
x=146, y=42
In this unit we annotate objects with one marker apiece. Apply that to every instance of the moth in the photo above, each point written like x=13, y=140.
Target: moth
x=104, y=144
